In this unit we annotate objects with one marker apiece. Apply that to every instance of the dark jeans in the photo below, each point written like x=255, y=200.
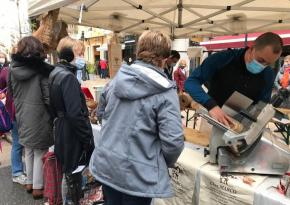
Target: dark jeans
x=113, y=197
x=103, y=73
x=16, y=153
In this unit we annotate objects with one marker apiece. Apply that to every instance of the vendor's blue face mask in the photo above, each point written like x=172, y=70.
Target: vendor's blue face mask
x=255, y=67
x=80, y=62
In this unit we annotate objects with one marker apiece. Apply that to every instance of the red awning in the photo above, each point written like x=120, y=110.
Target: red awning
x=225, y=42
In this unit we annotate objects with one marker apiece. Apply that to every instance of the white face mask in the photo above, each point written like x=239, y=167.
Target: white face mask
x=2, y=60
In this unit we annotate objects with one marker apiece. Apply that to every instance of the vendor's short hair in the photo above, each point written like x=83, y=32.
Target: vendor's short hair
x=153, y=47
x=78, y=48
x=269, y=39
x=30, y=46
x=175, y=54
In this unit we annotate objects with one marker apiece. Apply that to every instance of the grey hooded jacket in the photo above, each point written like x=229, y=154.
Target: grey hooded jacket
x=142, y=133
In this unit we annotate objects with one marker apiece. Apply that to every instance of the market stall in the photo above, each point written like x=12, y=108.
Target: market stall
x=197, y=182
x=180, y=19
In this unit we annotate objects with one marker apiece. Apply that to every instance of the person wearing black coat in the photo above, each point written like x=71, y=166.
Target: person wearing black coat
x=28, y=86
x=72, y=128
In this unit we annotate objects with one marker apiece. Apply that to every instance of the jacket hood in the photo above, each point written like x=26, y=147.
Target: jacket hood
x=24, y=68
x=140, y=80
x=68, y=66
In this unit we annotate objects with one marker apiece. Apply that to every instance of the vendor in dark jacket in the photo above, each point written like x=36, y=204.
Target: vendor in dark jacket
x=170, y=63
x=246, y=71
x=73, y=132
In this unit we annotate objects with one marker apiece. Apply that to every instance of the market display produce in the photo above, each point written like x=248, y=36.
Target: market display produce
x=187, y=102
x=92, y=107
x=236, y=126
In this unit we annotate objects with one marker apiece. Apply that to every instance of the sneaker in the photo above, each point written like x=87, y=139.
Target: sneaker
x=21, y=179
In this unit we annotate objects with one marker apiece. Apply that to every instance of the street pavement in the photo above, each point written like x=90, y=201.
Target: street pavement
x=11, y=193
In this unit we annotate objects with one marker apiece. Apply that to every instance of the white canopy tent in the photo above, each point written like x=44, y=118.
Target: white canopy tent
x=178, y=18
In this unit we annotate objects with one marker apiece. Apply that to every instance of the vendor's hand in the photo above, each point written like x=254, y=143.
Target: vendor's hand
x=218, y=114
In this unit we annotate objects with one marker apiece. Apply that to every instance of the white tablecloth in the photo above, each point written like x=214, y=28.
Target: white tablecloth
x=96, y=132
x=196, y=182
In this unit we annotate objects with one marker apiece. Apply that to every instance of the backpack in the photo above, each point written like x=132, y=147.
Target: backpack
x=5, y=120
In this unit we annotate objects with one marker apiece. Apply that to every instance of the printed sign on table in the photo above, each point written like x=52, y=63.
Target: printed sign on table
x=216, y=189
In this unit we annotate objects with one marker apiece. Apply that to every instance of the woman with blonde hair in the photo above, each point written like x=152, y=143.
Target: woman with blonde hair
x=132, y=157
x=73, y=132
x=79, y=50
x=180, y=75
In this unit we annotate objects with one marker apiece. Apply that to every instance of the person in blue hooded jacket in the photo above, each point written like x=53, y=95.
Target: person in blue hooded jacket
x=141, y=133
x=244, y=70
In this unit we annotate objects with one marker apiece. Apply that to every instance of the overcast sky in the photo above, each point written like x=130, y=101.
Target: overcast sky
x=11, y=17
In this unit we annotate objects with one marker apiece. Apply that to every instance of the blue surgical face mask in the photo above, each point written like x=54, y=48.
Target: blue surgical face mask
x=80, y=62
x=255, y=67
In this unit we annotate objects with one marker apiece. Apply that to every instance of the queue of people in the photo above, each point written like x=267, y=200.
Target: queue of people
x=142, y=133
x=47, y=107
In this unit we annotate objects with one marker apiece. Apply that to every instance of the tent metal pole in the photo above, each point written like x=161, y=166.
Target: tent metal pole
x=263, y=26
x=110, y=8
x=201, y=29
x=149, y=12
x=19, y=23
x=205, y=17
x=208, y=20
x=144, y=21
x=238, y=8
x=88, y=5
x=228, y=8
x=180, y=8
x=246, y=40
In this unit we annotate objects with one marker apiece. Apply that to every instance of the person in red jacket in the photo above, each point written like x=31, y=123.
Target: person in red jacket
x=103, y=65
x=180, y=75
